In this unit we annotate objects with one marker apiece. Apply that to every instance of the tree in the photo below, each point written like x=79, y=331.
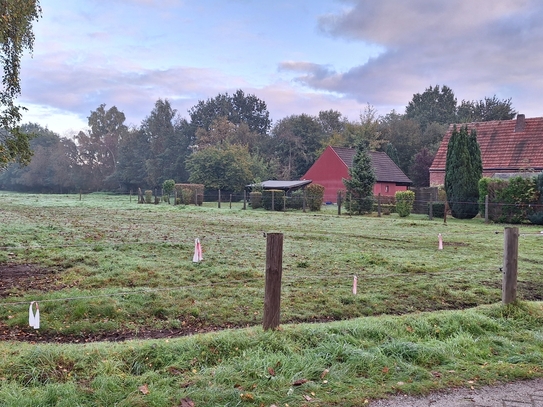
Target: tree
x=485, y=110
x=226, y=168
x=53, y=169
x=169, y=140
x=463, y=170
x=362, y=179
x=238, y=108
x=16, y=35
x=404, y=134
x=134, y=150
x=419, y=172
x=392, y=152
x=297, y=142
x=99, y=147
x=435, y=104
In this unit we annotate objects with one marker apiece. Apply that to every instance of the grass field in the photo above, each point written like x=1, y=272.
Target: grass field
x=106, y=268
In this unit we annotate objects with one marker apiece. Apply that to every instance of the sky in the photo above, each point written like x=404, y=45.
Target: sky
x=299, y=56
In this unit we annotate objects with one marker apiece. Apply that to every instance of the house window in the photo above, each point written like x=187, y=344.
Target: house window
x=386, y=188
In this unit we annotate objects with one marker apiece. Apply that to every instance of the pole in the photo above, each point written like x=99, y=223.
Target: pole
x=431, y=210
x=219, y=202
x=244, y=199
x=379, y=205
x=486, y=208
x=510, y=263
x=274, y=271
x=339, y=203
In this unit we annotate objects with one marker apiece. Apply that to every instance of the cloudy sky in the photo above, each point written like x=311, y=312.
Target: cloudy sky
x=299, y=56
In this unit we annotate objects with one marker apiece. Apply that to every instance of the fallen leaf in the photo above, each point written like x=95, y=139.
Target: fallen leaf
x=271, y=371
x=436, y=374
x=144, y=389
x=385, y=369
x=324, y=373
x=299, y=382
x=186, y=402
x=307, y=398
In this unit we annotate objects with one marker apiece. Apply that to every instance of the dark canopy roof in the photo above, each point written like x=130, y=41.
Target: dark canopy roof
x=283, y=185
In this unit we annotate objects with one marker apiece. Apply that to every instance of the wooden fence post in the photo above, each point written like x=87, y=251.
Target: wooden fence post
x=274, y=272
x=219, y=201
x=379, y=205
x=431, y=210
x=230, y=201
x=273, y=201
x=486, y=208
x=304, y=201
x=510, y=262
x=339, y=203
x=244, y=199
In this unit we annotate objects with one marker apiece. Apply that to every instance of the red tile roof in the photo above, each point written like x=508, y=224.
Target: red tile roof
x=385, y=169
x=506, y=145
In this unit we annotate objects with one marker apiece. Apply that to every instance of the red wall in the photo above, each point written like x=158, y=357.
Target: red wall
x=329, y=172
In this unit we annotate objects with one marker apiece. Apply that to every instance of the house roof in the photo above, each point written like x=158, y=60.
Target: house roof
x=284, y=185
x=505, y=144
x=385, y=169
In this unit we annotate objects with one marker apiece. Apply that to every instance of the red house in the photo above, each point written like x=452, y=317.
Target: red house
x=333, y=166
x=508, y=148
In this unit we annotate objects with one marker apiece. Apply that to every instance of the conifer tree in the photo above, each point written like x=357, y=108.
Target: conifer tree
x=463, y=170
x=360, y=186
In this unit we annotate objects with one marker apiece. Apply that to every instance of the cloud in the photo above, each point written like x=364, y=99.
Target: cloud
x=477, y=48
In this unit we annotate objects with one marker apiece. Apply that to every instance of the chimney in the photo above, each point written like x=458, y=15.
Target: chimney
x=521, y=123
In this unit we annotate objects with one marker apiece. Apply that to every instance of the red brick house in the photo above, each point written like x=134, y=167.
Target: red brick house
x=508, y=147
x=333, y=166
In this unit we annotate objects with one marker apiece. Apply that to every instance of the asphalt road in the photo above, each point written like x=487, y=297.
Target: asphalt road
x=527, y=393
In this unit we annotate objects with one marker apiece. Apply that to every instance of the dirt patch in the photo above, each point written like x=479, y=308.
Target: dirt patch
x=26, y=277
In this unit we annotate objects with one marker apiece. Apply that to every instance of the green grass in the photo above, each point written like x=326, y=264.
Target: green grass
x=119, y=267
x=342, y=363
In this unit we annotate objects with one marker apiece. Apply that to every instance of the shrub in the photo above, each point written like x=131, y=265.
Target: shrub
x=404, y=202
x=438, y=209
x=511, y=201
x=197, y=196
x=168, y=186
x=296, y=200
x=148, y=196
x=256, y=200
x=273, y=194
x=536, y=218
x=315, y=196
x=187, y=196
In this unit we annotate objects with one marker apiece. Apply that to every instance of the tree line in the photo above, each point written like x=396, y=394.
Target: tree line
x=229, y=141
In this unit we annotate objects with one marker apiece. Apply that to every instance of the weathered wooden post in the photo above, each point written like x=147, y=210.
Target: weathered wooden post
x=273, y=201
x=379, y=205
x=140, y=196
x=230, y=201
x=304, y=203
x=339, y=203
x=431, y=210
x=175, y=196
x=510, y=263
x=80, y=195
x=284, y=202
x=445, y=210
x=219, y=201
x=274, y=272
x=486, y=208
x=130, y=195
x=244, y=199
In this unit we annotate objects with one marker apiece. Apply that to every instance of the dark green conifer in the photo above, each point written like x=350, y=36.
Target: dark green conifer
x=463, y=170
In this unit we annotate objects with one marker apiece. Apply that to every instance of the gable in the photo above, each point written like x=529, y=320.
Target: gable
x=505, y=144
